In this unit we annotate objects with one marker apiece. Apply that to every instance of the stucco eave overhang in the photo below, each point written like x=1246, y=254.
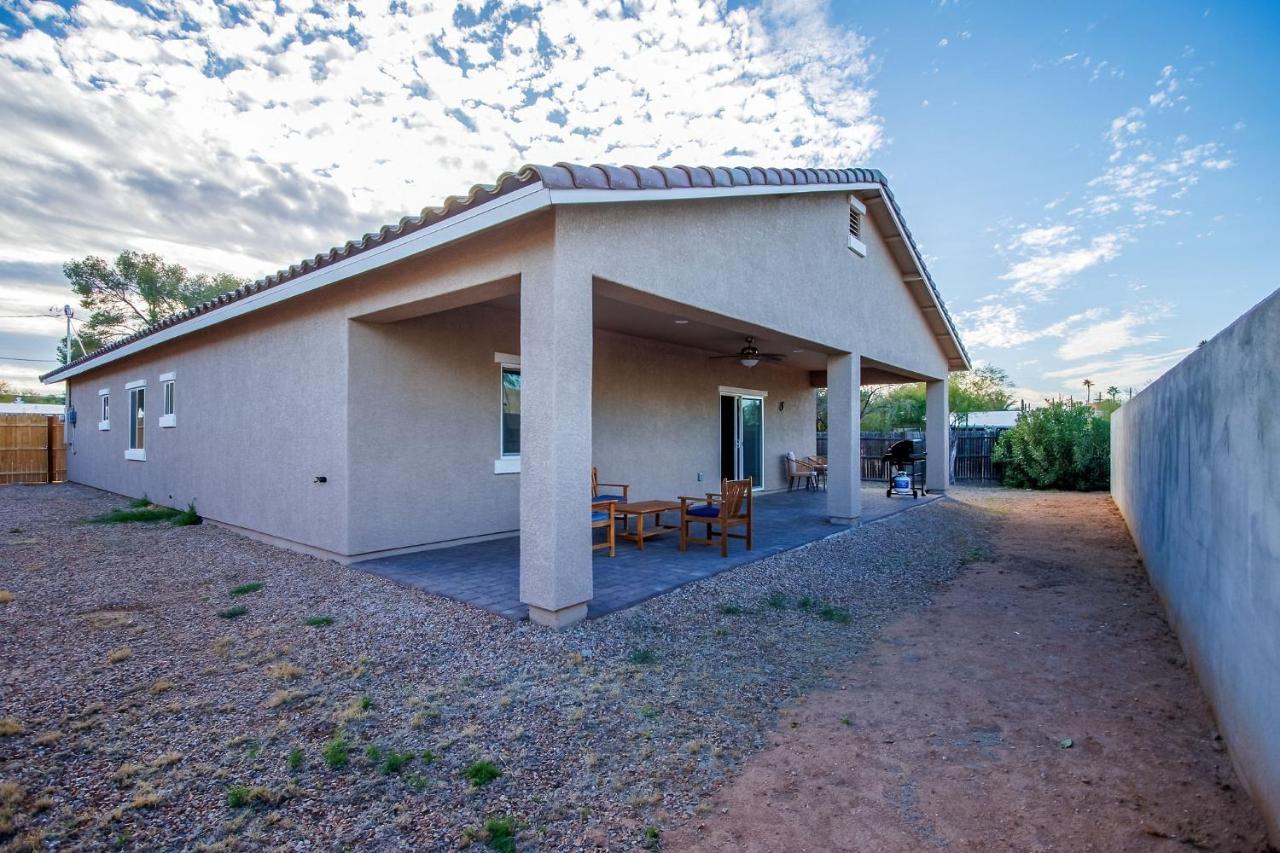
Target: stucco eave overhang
x=518, y=194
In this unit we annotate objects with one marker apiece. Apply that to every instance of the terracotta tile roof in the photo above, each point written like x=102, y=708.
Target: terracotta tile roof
x=562, y=176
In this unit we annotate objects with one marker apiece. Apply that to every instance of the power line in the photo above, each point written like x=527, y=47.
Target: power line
x=19, y=358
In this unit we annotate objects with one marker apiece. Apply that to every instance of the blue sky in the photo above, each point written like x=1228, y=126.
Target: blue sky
x=1092, y=183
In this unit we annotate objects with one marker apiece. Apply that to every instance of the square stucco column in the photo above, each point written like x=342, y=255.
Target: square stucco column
x=844, y=439
x=555, y=446
x=937, y=435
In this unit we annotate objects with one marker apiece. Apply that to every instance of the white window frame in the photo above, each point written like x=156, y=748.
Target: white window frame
x=104, y=408
x=506, y=463
x=136, y=454
x=168, y=390
x=858, y=209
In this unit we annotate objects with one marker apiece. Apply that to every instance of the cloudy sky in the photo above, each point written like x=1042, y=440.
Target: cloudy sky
x=1093, y=186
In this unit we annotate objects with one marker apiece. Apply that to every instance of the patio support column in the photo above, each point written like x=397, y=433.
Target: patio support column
x=844, y=438
x=555, y=444
x=937, y=435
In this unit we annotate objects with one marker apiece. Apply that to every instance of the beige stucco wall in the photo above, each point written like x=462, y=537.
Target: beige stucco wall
x=778, y=261
x=424, y=434
x=262, y=400
x=401, y=417
x=260, y=413
x=1195, y=471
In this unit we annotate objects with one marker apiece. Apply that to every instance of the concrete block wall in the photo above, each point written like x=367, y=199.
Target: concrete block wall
x=1195, y=471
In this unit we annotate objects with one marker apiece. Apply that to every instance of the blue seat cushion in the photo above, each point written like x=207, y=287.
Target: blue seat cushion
x=706, y=511
x=618, y=498
x=599, y=516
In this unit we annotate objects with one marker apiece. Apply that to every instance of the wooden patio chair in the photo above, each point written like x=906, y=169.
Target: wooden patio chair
x=595, y=489
x=799, y=470
x=819, y=465
x=730, y=508
x=602, y=516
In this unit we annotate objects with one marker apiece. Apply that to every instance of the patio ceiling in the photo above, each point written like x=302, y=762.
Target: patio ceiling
x=626, y=311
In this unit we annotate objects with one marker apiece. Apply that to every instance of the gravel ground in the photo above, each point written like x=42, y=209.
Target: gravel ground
x=130, y=711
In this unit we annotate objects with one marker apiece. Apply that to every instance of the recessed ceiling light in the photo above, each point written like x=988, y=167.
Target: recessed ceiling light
x=682, y=322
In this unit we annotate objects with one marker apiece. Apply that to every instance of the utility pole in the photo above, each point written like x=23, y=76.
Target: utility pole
x=66, y=388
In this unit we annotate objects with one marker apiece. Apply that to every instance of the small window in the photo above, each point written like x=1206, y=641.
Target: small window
x=137, y=423
x=857, y=210
x=168, y=414
x=104, y=409
x=510, y=410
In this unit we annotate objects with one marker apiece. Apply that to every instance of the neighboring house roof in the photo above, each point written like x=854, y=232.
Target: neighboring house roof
x=993, y=418
x=19, y=408
x=563, y=183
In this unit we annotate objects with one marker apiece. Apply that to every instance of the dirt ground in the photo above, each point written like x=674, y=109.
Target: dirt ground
x=1041, y=703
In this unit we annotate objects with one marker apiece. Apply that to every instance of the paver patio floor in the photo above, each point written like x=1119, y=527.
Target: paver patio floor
x=487, y=574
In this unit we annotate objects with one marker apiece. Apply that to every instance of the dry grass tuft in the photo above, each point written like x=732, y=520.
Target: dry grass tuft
x=126, y=771
x=10, y=727
x=353, y=710
x=284, y=671
x=104, y=619
x=167, y=759
x=11, y=793
x=120, y=655
x=221, y=647
x=6, y=597
x=162, y=685
x=283, y=697
x=144, y=797
x=48, y=738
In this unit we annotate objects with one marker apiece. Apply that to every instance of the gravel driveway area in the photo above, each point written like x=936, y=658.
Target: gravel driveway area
x=133, y=714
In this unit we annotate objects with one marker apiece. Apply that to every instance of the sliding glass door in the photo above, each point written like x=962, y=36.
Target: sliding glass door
x=742, y=438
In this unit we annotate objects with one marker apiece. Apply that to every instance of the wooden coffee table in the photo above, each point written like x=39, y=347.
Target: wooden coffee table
x=640, y=509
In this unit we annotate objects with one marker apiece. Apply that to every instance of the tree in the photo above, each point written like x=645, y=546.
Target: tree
x=983, y=389
x=1061, y=446
x=131, y=293
x=1113, y=392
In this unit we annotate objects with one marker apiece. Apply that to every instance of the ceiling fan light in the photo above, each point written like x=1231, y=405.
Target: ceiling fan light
x=750, y=362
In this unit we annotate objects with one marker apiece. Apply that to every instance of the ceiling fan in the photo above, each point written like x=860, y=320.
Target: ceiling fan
x=750, y=355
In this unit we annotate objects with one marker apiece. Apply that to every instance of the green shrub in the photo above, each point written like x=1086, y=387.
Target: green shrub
x=1062, y=446
x=233, y=612
x=482, y=773
x=501, y=834
x=642, y=657
x=295, y=758
x=246, y=588
x=140, y=503
x=318, y=621
x=238, y=796
x=395, y=762
x=827, y=613
x=187, y=517
x=128, y=516
x=337, y=752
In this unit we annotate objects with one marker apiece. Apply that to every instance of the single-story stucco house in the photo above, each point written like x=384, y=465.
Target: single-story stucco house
x=373, y=400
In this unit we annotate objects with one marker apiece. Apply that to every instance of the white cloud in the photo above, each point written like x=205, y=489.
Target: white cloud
x=1044, y=272
x=1042, y=238
x=942, y=42
x=1132, y=370
x=1093, y=339
x=245, y=142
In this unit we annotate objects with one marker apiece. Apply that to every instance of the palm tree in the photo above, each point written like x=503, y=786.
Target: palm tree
x=1088, y=391
x=1113, y=392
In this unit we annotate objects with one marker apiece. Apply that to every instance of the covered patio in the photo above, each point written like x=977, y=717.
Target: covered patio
x=487, y=574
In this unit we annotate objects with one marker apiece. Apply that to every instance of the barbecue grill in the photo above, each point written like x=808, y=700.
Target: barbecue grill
x=904, y=476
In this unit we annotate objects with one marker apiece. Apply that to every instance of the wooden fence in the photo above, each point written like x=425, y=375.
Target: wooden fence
x=973, y=446
x=32, y=449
